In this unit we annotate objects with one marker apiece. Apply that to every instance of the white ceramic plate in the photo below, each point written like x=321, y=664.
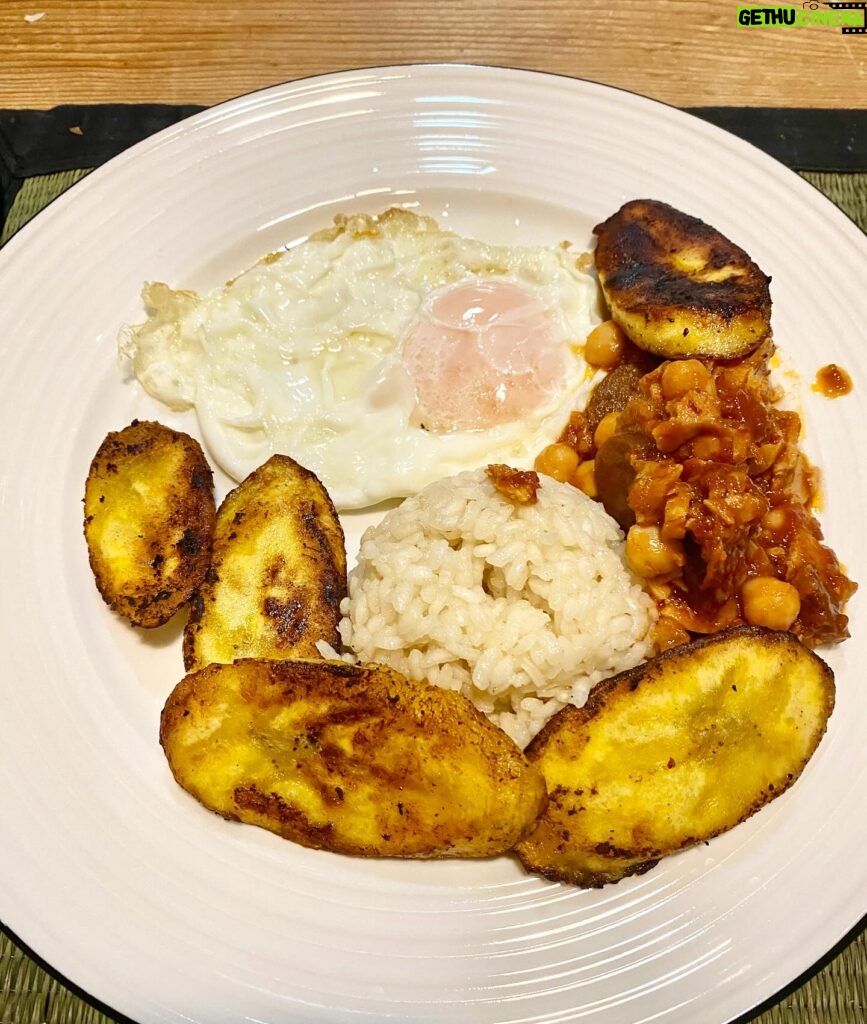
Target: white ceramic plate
x=164, y=911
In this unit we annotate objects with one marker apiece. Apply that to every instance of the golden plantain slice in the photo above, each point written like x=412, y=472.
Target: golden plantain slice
x=278, y=571
x=674, y=752
x=148, y=520
x=348, y=758
x=679, y=288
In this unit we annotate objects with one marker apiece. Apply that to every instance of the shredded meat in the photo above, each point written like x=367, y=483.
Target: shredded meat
x=516, y=485
x=717, y=468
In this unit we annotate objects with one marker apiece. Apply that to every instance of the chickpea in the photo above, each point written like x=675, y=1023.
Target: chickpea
x=649, y=555
x=769, y=602
x=667, y=634
x=765, y=457
x=557, y=460
x=775, y=520
x=682, y=375
x=707, y=447
x=584, y=478
x=605, y=345
x=607, y=427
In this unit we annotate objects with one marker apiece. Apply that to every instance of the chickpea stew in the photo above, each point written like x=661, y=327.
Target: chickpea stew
x=703, y=470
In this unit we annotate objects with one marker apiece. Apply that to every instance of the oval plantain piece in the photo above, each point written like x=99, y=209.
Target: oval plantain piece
x=348, y=758
x=674, y=752
x=678, y=287
x=148, y=520
x=277, y=575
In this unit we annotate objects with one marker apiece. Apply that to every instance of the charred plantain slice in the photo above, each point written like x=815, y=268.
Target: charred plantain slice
x=148, y=520
x=674, y=752
x=679, y=288
x=353, y=759
x=277, y=575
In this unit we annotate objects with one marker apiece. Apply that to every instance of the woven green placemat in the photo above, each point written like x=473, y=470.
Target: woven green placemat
x=835, y=995
x=35, y=194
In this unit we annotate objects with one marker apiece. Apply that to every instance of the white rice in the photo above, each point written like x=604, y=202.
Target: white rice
x=523, y=608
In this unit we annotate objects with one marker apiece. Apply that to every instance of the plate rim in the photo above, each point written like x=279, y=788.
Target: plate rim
x=435, y=66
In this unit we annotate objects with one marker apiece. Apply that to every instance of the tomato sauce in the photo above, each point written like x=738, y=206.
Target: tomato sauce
x=832, y=381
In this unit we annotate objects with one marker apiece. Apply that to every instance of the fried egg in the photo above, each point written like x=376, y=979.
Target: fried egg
x=382, y=353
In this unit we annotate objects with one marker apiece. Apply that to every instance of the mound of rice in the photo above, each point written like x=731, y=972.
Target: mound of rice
x=523, y=608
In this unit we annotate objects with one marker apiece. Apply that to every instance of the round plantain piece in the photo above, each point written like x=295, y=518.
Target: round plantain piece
x=678, y=287
x=149, y=516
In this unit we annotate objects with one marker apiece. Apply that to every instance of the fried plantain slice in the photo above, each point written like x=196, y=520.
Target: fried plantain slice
x=353, y=759
x=678, y=287
x=148, y=520
x=674, y=752
x=277, y=575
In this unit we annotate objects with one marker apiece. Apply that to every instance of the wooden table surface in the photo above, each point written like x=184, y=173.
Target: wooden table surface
x=685, y=52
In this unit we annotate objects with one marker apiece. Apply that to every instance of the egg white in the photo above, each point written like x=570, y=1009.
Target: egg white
x=301, y=354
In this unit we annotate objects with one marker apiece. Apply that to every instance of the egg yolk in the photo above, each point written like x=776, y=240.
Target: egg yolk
x=481, y=354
